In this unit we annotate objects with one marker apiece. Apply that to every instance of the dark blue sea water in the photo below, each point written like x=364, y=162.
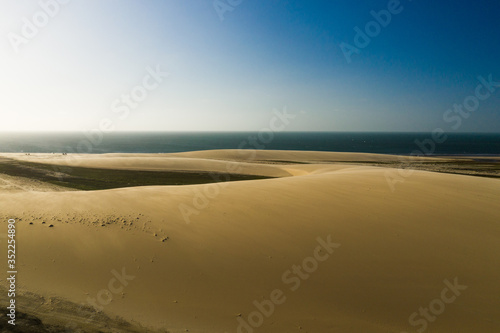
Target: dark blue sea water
x=388, y=143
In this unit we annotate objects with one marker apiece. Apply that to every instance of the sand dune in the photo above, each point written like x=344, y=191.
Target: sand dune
x=208, y=258
x=289, y=155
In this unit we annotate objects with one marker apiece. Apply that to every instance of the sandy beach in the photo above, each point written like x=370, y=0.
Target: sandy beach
x=288, y=242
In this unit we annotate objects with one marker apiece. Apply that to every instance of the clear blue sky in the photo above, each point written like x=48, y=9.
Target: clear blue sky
x=229, y=75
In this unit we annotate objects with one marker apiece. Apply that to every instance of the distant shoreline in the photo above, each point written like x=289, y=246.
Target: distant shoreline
x=454, y=144
x=322, y=151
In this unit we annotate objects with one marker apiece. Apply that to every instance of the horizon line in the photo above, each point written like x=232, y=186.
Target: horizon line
x=226, y=131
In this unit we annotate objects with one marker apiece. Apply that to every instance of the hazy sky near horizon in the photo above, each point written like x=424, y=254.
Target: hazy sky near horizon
x=89, y=63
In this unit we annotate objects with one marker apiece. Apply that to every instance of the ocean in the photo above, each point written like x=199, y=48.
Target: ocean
x=135, y=142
